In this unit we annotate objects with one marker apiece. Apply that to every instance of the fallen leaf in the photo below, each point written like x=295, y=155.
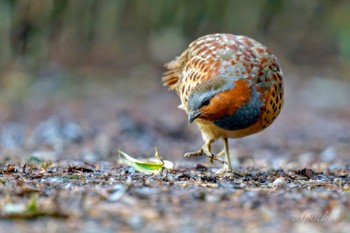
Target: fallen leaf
x=151, y=166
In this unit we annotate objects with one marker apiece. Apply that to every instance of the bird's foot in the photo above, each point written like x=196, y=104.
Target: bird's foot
x=224, y=170
x=206, y=152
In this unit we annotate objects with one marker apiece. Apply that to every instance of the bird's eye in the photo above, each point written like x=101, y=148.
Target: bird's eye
x=206, y=102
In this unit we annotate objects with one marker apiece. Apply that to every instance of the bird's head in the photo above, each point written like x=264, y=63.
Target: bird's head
x=217, y=98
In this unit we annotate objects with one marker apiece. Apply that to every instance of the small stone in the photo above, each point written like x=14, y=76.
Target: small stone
x=291, y=174
x=213, y=198
x=170, y=178
x=136, y=221
x=146, y=191
x=293, y=186
x=14, y=208
x=338, y=182
x=280, y=183
x=346, y=188
x=201, y=168
x=118, y=191
x=307, y=172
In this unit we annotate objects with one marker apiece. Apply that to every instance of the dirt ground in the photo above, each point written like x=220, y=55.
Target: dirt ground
x=59, y=169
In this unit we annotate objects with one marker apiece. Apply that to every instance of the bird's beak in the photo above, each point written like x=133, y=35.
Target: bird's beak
x=193, y=115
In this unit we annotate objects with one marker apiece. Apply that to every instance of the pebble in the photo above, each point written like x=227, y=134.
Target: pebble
x=213, y=198
x=338, y=181
x=147, y=191
x=280, y=183
x=136, y=221
x=118, y=191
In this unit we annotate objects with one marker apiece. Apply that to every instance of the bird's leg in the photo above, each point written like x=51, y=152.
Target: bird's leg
x=227, y=166
x=205, y=150
x=227, y=154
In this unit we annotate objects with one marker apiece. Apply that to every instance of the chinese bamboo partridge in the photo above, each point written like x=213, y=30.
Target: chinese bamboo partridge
x=230, y=86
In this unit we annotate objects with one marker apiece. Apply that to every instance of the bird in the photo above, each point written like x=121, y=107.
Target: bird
x=231, y=86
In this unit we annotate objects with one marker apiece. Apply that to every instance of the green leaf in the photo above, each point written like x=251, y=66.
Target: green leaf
x=32, y=205
x=140, y=166
x=147, y=167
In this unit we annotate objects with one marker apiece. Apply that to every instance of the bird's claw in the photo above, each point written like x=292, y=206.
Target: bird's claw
x=210, y=155
x=195, y=153
x=225, y=170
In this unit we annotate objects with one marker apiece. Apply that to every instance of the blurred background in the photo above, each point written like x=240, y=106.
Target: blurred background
x=82, y=78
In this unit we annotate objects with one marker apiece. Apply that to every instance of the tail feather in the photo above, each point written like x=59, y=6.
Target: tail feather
x=171, y=76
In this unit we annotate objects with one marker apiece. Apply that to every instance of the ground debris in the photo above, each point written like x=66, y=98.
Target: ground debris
x=136, y=200
x=308, y=173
